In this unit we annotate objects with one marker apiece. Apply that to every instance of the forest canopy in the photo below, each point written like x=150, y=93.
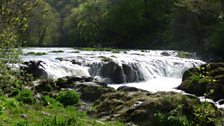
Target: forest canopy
x=191, y=25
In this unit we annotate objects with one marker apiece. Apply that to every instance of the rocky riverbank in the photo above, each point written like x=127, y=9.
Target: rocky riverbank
x=132, y=106
x=129, y=105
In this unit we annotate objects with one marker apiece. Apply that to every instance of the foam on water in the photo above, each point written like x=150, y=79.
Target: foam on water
x=154, y=85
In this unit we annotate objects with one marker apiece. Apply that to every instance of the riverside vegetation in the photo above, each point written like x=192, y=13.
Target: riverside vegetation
x=27, y=100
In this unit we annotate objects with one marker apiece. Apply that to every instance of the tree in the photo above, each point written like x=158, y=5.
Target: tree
x=13, y=21
x=192, y=23
x=43, y=30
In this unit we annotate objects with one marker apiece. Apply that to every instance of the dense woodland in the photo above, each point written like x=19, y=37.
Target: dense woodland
x=191, y=25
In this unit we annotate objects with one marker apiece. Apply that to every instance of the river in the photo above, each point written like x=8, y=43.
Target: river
x=148, y=69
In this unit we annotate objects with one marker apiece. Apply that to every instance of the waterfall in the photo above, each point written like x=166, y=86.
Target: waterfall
x=124, y=67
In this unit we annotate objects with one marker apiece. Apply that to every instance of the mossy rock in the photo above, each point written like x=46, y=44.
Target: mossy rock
x=183, y=54
x=35, y=53
x=71, y=81
x=92, y=91
x=206, y=80
x=165, y=54
x=57, y=51
x=45, y=86
x=140, y=107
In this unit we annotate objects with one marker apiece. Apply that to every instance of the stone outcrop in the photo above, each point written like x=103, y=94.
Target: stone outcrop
x=35, y=68
x=206, y=80
x=143, y=108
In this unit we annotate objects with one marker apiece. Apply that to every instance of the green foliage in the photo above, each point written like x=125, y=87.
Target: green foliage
x=22, y=123
x=48, y=101
x=26, y=96
x=174, y=117
x=59, y=121
x=205, y=115
x=13, y=23
x=68, y=97
x=51, y=115
x=43, y=26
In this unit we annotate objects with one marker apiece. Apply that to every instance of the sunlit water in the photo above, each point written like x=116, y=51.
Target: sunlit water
x=154, y=85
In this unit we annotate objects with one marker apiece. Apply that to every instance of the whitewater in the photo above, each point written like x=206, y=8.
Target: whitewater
x=149, y=69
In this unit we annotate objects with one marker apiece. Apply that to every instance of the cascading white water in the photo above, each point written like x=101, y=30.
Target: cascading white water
x=149, y=70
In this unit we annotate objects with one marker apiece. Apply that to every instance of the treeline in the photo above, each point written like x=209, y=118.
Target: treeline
x=193, y=25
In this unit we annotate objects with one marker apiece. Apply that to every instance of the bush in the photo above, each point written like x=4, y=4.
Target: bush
x=26, y=96
x=205, y=115
x=48, y=101
x=173, y=118
x=68, y=97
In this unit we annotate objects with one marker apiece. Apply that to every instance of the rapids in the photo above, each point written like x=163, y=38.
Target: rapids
x=148, y=70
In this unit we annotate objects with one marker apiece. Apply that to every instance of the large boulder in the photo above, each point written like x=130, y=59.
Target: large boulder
x=35, y=68
x=92, y=91
x=71, y=81
x=206, y=80
x=124, y=73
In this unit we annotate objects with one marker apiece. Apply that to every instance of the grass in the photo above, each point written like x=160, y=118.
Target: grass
x=15, y=113
x=35, y=53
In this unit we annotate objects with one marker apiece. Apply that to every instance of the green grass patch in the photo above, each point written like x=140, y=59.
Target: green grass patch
x=15, y=113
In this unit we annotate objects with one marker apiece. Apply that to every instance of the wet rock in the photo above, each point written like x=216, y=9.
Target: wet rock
x=119, y=76
x=71, y=81
x=165, y=54
x=35, y=68
x=130, y=73
x=76, y=62
x=126, y=88
x=108, y=69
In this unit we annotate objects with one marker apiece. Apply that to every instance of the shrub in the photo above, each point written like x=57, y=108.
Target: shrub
x=173, y=118
x=205, y=115
x=26, y=96
x=68, y=97
x=47, y=101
